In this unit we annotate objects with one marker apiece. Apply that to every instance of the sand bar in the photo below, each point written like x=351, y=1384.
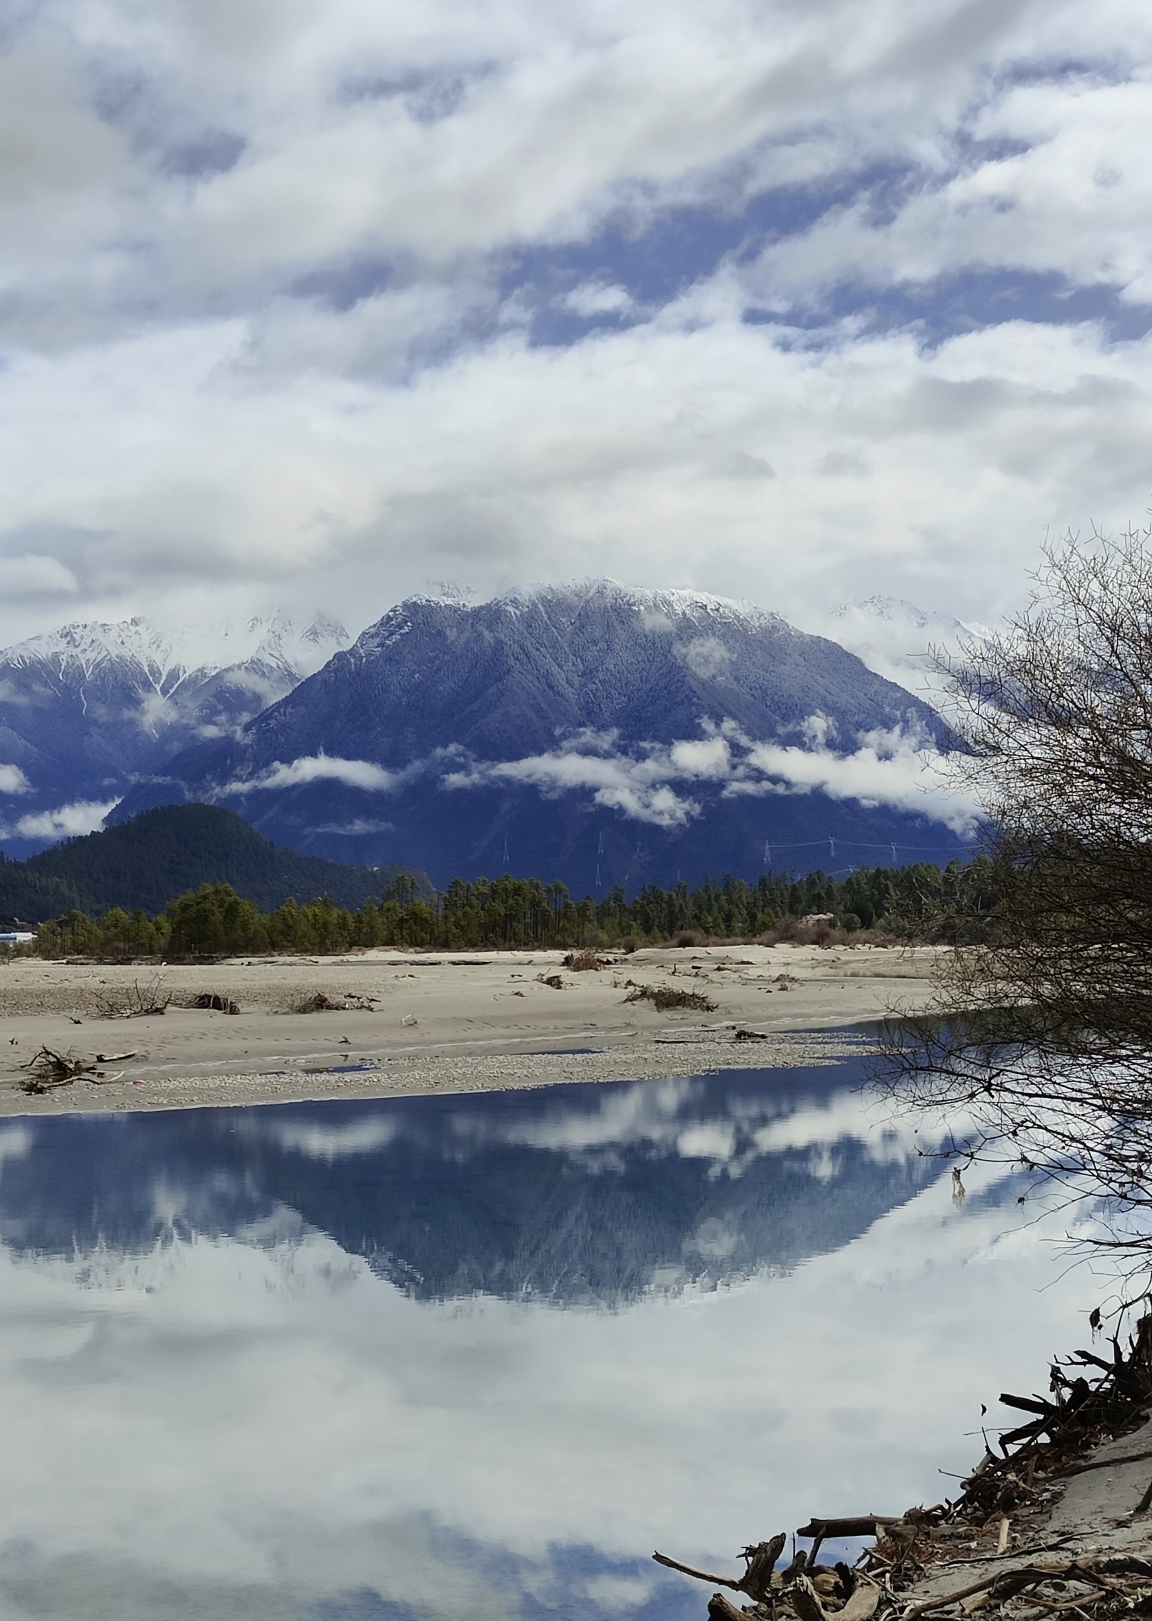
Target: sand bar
x=436, y=1021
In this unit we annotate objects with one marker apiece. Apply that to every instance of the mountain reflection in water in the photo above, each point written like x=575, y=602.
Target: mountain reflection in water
x=574, y=1193
x=305, y=1361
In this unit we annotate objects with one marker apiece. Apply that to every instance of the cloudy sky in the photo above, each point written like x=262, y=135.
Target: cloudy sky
x=319, y=304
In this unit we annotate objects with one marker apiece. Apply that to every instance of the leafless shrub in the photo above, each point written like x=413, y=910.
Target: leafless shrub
x=134, y=1002
x=689, y=937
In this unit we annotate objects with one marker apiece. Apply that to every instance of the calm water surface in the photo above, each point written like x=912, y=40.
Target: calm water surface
x=478, y=1355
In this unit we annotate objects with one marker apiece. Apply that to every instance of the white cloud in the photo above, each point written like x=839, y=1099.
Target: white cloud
x=638, y=787
x=13, y=780
x=32, y=576
x=506, y=461
x=706, y=657
x=897, y=767
x=596, y=298
x=889, y=768
x=266, y=284
x=316, y=768
x=15, y=1143
x=65, y=822
x=1073, y=141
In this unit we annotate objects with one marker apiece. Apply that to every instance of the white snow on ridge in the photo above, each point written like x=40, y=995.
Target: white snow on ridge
x=166, y=657
x=675, y=603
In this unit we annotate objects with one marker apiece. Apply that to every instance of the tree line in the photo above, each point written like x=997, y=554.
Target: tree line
x=919, y=901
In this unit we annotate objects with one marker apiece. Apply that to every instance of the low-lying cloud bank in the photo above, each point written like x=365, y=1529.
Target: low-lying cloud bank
x=654, y=782
x=64, y=822
x=317, y=768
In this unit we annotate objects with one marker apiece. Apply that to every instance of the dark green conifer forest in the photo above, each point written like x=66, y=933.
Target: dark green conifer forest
x=915, y=902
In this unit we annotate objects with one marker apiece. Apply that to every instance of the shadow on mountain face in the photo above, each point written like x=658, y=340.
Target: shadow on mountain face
x=573, y=1194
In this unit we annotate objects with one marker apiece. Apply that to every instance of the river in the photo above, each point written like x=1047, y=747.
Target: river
x=477, y=1355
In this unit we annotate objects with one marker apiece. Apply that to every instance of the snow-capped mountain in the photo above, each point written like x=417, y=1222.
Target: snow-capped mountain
x=590, y=732
x=87, y=708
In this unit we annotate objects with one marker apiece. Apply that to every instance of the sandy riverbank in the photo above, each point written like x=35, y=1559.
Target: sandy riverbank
x=436, y=1022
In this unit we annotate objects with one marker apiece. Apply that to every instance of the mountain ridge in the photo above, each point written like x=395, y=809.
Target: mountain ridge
x=88, y=708
x=671, y=734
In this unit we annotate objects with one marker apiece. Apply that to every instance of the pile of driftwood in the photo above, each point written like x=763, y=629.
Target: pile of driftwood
x=804, y=1590
x=213, y=1002
x=318, y=1002
x=48, y=1069
x=665, y=997
x=586, y=962
x=997, y=1517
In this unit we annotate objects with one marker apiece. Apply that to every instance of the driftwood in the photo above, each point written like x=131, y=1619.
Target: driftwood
x=759, y=1568
x=856, y=1525
x=48, y=1069
x=812, y=1592
x=1091, y=1572
x=719, y=1609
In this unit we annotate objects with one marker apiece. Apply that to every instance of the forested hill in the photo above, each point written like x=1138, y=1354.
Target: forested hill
x=165, y=852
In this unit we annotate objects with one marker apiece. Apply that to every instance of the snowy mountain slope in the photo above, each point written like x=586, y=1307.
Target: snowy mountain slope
x=578, y=730
x=87, y=708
